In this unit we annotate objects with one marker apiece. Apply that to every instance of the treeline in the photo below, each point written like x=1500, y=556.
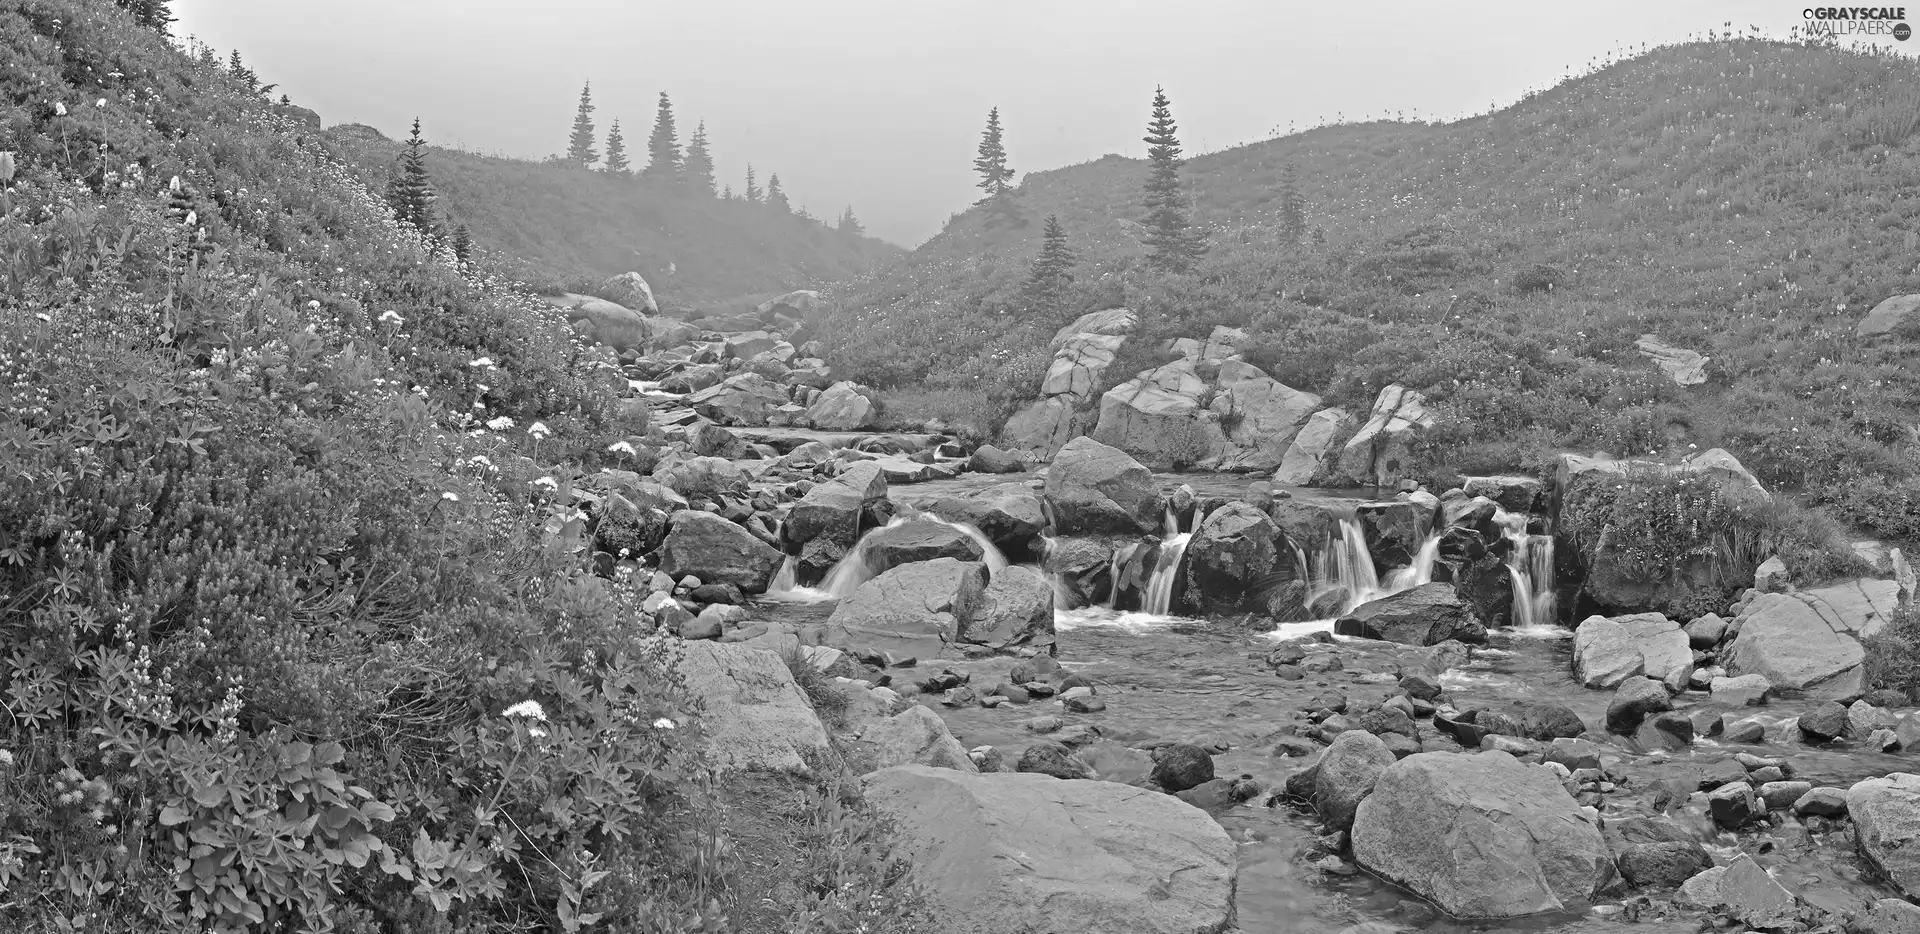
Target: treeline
x=671, y=167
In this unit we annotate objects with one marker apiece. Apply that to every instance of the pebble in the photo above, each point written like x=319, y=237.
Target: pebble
x=1085, y=703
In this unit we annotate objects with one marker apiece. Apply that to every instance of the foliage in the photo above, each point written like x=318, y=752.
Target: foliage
x=777, y=198
x=996, y=180
x=663, y=147
x=1893, y=654
x=1171, y=245
x=616, y=161
x=1187, y=443
x=580, y=149
x=410, y=191
x=697, y=168
x=1052, y=273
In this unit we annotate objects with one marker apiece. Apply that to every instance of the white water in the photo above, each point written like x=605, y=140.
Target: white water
x=1530, y=562
x=1344, y=566
x=1166, y=566
x=857, y=567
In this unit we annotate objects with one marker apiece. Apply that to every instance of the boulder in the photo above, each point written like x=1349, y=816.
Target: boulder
x=1604, y=653
x=989, y=459
x=1886, y=827
x=743, y=399
x=1743, y=891
x=1787, y=640
x=1889, y=317
x=1706, y=632
x=1633, y=701
x=1743, y=691
x=756, y=717
x=1043, y=427
x=1889, y=916
x=918, y=539
x=1009, y=514
x=800, y=303
x=1235, y=547
x=1381, y=452
x=1514, y=494
x=1306, y=455
x=748, y=344
x=1099, y=489
x=1348, y=771
x=1663, y=864
x=1023, y=852
x=916, y=736
x=1425, y=615
x=914, y=609
x=717, y=551
x=609, y=323
x=1262, y=416
x=1481, y=836
x=1181, y=766
x=825, y=523
x=631, y=289
x=1825, y=722
x=844, y=406
x=1684, y=367
x=1082, y=351
x=1157, y=416
x=1016, y=611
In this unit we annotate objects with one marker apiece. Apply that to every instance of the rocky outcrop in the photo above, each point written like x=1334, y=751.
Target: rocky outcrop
x=1787, y=639
x=1099, y=489
x=1082, y=352
x=912, y=610
x=1684, y=367
x=1262, y=416
x=1381, y=452
x=1015, y=611
x=1609, y=651
x=610, y=323
x=756, y=717
x=717, y=551
x=631, y=289
x=1235, y=547
x=1889, y=317
x=1425, y=615
x=915, y=736
x=1481, y=836
x=1886, y=827
x=826, y=522
x=1307, y=454
x=1158, y=417
x=743, y=399
x=1017, y=851
x=844, y=406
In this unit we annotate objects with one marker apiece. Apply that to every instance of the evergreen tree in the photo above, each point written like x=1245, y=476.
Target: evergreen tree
x=848, y=224
x=411, y=190
x=580, y=149
x=616, y=151
x=776, y=198
x=726, y=194
x=1293, y=208
x=1171, y=244
x=698, y=167
x=462, y=244
x=1052, y=270
x=152, y=14
x=241, y=72
x=995, y=178
x=753, y=190
x=663, y=147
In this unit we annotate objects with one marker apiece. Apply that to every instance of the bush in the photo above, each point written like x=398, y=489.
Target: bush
x=1893, y=654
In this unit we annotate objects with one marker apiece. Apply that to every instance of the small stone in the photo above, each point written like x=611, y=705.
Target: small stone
x=1421, y=685
x=1743, y=731
x=1079, y=704
x=1322, y=663
x=1825, y=801
x=1181, y=766
x=1732, y=804
x=1662, y=864
x=1743, y=691
x=1767, y=774
x=1053, y=759
x=1046, y=724
x=1824, y=722
x=1749, y=761
x=1782, y=794
x=1883, y=740
x=1574, y=754
x=1633, y=701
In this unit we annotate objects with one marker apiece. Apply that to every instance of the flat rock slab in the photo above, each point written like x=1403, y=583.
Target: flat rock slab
x=1799, y=643
x=1014, y=851
x=757, y=718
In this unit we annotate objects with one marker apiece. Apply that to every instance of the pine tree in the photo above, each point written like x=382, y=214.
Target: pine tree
x=462, y=244
x=776, y=198
x=241, y=72
x=850, y=225
x=663, y=147
x=411, y=190
x=995, y=178
x=1293, y=208
x=753, y=190
x=699, y=163
x=1170, y=243
x=1052, y=270
x=153, y=14
x=580, y=149
x=726, y=194
x=616, y=162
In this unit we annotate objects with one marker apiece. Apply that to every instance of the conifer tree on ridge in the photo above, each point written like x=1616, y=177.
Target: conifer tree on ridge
x=616, y=161
x=1171, y=245
x=996, y=179
x=663, y=147
x=776, y=198
x=1052, y=270
x=411, y=190
x=698, y=165
x=580, y=149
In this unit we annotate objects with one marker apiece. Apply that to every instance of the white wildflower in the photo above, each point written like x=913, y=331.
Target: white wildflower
x=620, y=447
x=392, y=316
x=59, y=109
x=482, y=362
x=500, y=423
x=102, y=102
x=547, y=483
x=193, y=217
x=450, y=497
x=527, y=708
x=539, y=430
x=663, y=723
x=537, y=731
x=44, y=316
x=315, y=304
x=174, y=185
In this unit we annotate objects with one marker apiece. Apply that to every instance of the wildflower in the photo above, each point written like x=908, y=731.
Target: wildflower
x=59, y=109
x=174, y=186
x=315, y=304
x=539, y=430
x=663, y=723
x=392, y=316
x=482, y=362
x=193, y=217
x=527, y=708
x=44, y=317
x=500, y=423
x=6, y=759
x=102, y=102
x=480, y=460
x=537, y=731
x=450, y=497
x=620, y=447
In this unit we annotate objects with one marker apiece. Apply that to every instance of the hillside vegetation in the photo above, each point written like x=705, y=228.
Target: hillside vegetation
x=1747, y=199
x=556, y=225
x=299, y=624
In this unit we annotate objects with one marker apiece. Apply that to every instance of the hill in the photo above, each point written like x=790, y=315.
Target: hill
x=302, y=622
x=560, y=227
x=1750, y=200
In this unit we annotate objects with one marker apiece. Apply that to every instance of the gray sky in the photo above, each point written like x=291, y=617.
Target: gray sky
x=879, y=103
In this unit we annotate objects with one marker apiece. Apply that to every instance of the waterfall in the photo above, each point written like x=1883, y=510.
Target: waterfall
x=857, y=568
x=1343, y=565
x=1116, y=565
x=1166, y=567
x=1530, y=562
x=786, y=586
x=995, y=559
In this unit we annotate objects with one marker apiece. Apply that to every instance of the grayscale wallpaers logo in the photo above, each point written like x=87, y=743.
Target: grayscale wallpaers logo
x=1863, y=21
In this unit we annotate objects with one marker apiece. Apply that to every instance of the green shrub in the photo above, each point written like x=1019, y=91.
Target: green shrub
x=1893, y=654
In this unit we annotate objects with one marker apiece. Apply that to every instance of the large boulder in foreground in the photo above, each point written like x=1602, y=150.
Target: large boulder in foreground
x=1886, y=827
x=1098, y=489
x=757, y=718
x=826, y=522
x=1787, y=640
x=914, y=609
x=920, y=538
x=1015, y=611
x=717, y=551
x=1481, y=836
x=1009, y=514
x=1425, y=615
x=1233, y=549
x=1023, y=851
x=610, y=323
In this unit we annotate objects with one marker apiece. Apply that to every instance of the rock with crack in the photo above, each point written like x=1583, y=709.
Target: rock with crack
x=1684, y=367
x=1014, y=851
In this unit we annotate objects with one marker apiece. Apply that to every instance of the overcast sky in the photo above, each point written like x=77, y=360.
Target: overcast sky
x=879, y=103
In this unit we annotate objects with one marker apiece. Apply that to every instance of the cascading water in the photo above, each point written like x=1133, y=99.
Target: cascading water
x=1530, y=562
x=1166, y=567
x=1345, y=566
x=857, y=567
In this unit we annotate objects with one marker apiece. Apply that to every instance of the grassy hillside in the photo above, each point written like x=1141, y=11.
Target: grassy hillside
x=299, y=624
x=1747, y=199
x=556, y=226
